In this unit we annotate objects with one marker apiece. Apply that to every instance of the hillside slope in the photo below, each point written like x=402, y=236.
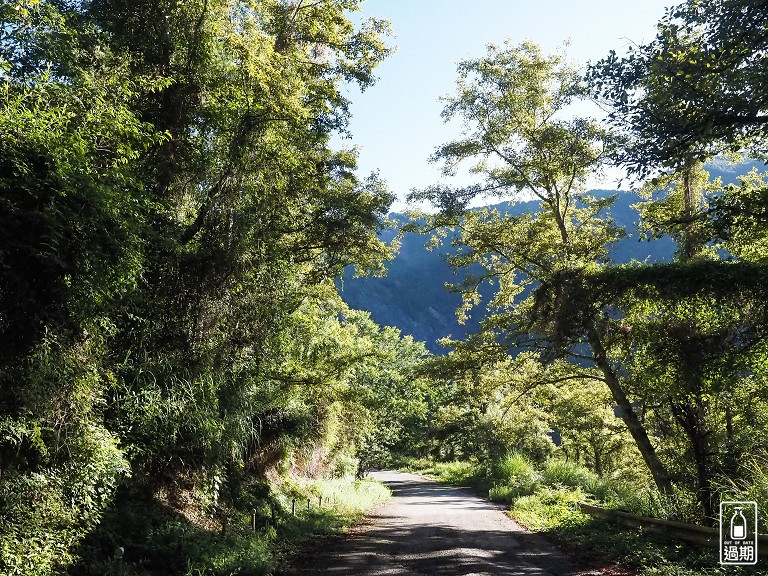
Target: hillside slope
x=413, y=295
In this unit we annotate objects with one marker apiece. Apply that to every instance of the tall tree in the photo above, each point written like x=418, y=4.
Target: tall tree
x=696, y=90
x=169, y=199
x=512, y=102
x=677, y=101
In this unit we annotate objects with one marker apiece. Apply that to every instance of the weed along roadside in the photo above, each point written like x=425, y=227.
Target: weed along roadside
x=594, y=520
x=262, y=539
x=316, y=509
x=693, y=533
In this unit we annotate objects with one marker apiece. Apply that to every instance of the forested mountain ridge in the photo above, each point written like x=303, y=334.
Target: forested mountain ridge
x=413, y=295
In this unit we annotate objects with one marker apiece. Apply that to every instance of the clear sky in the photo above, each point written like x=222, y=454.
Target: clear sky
x=396, y=123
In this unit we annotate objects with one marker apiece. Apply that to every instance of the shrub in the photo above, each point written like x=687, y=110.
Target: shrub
x=511, y=466
x=549, y=508
x=456, y=472
x=566, y=473
x=752, y=486
x=514, y=475
x=44, y=515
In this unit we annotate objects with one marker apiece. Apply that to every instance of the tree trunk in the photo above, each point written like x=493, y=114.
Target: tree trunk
x=598, y=459
x=691, y=419
x=628, y=415
x=689, y=207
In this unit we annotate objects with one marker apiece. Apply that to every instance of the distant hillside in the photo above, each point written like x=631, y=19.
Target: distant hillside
x=413, y=296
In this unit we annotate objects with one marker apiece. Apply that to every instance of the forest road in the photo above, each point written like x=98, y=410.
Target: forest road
x=429, y=528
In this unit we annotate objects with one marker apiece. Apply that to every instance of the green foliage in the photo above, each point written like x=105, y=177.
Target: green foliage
x=567, y=473
x=510, y=98
x=159, y=540
x=67, y=463
x=549, y=508
x=669, y=342
x=171, y=219
x=513, y=466
x=679, y=100
x=554, y=512
x=738, y=219
x=514, y=484
x=752, y=485
x=456, y=472
x=688, y=93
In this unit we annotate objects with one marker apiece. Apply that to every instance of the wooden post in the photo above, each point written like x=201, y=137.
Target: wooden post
x=293, y=507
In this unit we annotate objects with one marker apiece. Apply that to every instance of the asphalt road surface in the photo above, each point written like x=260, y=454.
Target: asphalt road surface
x=428, y=528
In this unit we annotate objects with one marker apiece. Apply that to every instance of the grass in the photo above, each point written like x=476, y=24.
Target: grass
x=160, y=540
x=546, y=500
x=566, y=473
x=549, y=508
x=513, y=476
x=344, y=503
x=554, y=511
x=460, y=473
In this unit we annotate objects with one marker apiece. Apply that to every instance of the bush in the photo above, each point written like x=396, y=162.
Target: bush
x=44, y=515
x=514, y=475
x=550, y=508
x=510, y=492
x=566, y=473
x=456, y=472
x=511, y=466
x=345, y=465
x=752, y=486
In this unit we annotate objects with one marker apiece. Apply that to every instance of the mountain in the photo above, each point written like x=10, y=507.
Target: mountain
x=413, y=297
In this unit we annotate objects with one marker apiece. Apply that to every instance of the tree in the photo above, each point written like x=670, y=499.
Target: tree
x=169, y=200
x=71, y=214
x=254, y=208
x=693, y=92
x=677, y=101
x=512, y=102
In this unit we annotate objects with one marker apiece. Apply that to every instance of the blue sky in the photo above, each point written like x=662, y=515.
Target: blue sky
x=396, y=123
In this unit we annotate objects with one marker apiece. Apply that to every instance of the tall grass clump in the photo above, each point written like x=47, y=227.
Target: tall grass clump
x=752, y=486
x=511, y=466
x=550, y=508
x=513, y=475
x=566, y=473
x=351, y=499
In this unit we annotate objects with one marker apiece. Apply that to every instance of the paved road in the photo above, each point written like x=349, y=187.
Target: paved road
x=428, y=528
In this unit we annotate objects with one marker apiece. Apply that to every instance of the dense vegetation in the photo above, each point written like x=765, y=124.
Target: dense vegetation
x=173, y=218
x=662, y=364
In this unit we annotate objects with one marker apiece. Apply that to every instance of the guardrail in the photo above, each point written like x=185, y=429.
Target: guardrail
x=687, y=532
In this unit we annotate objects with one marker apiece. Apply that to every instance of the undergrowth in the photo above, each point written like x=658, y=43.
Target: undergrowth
x=544, y=498
x=157, y=539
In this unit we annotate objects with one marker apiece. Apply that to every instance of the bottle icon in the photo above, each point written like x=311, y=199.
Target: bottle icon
x=738, y=525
